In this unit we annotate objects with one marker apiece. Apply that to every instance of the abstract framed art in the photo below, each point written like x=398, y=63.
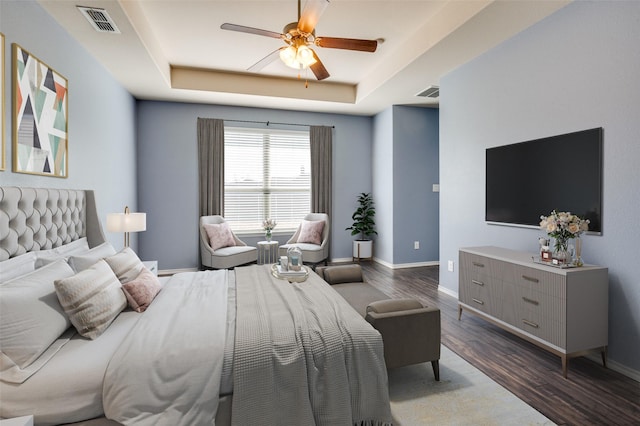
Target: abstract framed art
x=40, y=117
x=2, y=102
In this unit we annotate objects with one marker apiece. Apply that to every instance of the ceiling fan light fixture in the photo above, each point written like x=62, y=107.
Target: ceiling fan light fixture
x=305, y=56
x=300, y=57
x=288, y=56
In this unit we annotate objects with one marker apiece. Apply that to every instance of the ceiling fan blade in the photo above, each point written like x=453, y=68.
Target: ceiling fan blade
x=347, y=43
x=250, y=30
x=266, y=60
x=318, y=69
x=310, y=16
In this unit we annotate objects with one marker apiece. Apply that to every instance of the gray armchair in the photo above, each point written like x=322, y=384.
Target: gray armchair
x=224, y=257
x=311, y=253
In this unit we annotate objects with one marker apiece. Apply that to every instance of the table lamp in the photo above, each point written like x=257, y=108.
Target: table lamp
x=126, y=222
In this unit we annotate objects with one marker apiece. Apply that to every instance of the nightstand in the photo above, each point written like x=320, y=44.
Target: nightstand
x=18, y=421
x=151, y=265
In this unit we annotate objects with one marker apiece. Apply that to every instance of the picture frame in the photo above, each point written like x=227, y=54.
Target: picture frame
x=40, y=117
x=2, y=104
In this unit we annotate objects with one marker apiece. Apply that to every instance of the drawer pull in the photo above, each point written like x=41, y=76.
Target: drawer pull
x=532, y=324
x=479, y=302
x=533, y=302
x=533, y=280
x=476, y=282
x=478, y=264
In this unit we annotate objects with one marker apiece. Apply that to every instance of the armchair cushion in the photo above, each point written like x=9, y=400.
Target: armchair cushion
x=311, y=231
x=220, y=235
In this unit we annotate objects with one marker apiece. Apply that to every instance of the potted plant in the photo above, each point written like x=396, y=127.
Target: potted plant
x=363, y=225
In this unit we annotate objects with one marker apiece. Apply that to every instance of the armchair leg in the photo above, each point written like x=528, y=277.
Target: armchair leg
x=436, y=369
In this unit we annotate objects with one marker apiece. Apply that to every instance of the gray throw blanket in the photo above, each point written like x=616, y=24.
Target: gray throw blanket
x=303, y=356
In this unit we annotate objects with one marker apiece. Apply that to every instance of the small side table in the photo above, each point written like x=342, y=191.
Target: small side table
x=267, y=252
x=151, y=265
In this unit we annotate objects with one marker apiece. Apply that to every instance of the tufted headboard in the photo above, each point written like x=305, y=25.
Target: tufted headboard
x=33, y=219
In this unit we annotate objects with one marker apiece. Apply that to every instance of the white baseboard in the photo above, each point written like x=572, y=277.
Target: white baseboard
x=448, y=291
x=616, y=366
x=405, y=265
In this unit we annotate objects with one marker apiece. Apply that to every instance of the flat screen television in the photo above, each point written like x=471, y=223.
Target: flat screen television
x=528, y=179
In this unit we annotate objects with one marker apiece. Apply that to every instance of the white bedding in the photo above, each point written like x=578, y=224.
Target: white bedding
x=69, y=387
x=168, y=368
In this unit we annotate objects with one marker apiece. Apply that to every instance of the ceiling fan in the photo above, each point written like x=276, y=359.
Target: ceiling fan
x=299, y=37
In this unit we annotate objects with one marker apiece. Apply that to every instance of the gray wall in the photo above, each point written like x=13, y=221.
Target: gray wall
x=575, y=70
x=382, y=161
x=416, y=168
x=405, y=166
x=168, y=168
x=101, y=124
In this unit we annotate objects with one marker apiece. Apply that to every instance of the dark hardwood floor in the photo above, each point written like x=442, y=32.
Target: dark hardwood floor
x=591, y=395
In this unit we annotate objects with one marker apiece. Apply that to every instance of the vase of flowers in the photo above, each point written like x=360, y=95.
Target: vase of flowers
x=563, y=226
x=268, y=225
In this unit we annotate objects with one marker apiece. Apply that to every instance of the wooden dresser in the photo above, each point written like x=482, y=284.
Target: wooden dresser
x=564, y=311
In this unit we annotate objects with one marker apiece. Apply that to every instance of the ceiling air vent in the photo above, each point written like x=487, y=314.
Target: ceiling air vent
x=99, y=19
x=430, y=92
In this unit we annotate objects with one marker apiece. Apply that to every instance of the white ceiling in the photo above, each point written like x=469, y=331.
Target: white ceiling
x=174, y=50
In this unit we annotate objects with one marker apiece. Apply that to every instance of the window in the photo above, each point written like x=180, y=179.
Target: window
x=267, y=174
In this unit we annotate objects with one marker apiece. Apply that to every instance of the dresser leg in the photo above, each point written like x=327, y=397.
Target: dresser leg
x=459, y=312
x=564, y=366
x=604, y=356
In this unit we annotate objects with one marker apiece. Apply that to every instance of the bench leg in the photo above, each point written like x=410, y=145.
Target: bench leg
x=436, y=369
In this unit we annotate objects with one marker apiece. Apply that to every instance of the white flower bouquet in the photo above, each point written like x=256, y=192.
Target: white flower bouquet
x=563, y=226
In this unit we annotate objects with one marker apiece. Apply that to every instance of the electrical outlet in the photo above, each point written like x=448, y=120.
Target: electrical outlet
x=450, y=266
x=416, y=245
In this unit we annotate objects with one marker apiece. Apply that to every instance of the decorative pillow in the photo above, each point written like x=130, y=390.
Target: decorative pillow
x=311, y=231
x=31, y=317
x=219, y=235
x=17, y=266
x=80, y=263
x=141, y=291
x=126, y=265
x=92, y=299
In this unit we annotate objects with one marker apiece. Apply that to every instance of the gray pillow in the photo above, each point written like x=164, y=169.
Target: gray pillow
x=31, y=317
x=92, y=299
x=80, y=263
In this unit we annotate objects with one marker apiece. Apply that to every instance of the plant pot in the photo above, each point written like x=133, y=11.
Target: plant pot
x=362, y=249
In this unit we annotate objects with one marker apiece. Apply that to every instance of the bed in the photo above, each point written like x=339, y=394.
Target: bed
x=219, y=347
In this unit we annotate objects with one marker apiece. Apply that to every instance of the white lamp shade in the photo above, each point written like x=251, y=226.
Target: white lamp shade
x=126, y=222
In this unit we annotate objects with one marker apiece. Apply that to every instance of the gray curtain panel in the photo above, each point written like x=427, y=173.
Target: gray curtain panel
x=211, y=166
x=320, y=138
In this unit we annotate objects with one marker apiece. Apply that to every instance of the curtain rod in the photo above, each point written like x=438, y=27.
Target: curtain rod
x=273, y=122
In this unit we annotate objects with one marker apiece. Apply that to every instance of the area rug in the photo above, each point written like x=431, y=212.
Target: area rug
x=463, y=396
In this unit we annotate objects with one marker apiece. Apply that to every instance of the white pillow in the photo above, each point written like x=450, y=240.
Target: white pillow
x=76, y=247
x=80, y=263
x=17, y=266
x=126, y=265
x=31, y=317
x=92, y=299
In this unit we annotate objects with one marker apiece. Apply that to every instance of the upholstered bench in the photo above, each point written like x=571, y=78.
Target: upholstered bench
x=410, y=331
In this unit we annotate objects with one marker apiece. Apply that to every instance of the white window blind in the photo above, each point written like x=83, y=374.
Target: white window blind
x=267, y=174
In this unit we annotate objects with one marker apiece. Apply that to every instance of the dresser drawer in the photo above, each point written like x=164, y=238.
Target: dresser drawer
x=535, y=279
x=534, y=312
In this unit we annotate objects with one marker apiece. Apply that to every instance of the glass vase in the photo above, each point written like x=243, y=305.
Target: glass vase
x=267, y=234
x=562, y=254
